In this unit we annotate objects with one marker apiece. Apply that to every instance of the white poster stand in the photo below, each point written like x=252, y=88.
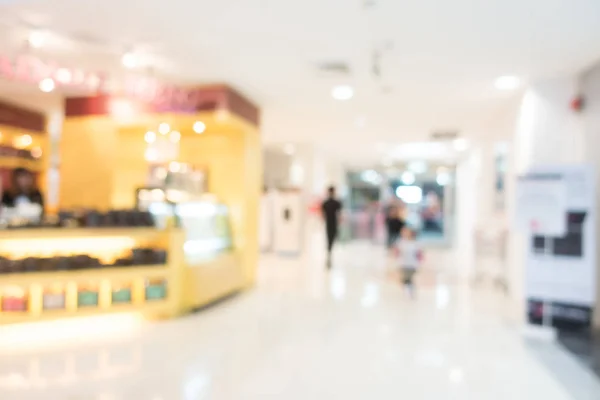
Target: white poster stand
x=541, y=204
x=560, y=282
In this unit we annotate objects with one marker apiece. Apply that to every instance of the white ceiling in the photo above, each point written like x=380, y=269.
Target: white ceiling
x=439, y=58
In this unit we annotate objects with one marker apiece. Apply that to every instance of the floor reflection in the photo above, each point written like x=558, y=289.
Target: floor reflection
x=305, y=333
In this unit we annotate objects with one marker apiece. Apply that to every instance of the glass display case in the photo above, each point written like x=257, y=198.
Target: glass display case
x=205, y=222
x=207, y=229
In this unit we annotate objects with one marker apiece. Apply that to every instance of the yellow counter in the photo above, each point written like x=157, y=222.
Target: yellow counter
x=187, y=287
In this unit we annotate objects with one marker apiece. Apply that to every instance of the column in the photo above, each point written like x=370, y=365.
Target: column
x=590, y=85
x=547, y=132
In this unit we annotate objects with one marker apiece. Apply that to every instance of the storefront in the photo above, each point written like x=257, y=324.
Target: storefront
x=157, y=210
x=423, y=191
x=427, y=192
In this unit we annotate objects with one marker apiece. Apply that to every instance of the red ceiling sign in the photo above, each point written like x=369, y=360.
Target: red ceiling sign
x=166, y=97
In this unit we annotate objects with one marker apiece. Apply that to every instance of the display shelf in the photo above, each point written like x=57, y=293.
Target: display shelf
x=68, y=233
x=15, y=162
x=85, y=275
x=154, y=307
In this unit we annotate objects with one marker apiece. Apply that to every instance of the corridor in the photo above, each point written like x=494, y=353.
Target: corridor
x=303, y=333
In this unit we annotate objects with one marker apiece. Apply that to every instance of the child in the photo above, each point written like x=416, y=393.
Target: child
x=409, y=256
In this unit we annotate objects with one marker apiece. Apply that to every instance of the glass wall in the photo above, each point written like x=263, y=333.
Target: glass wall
x=424, y=192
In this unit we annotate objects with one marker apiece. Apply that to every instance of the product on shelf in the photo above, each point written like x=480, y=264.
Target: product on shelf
x=87, y=296
x=121, y=294
x=97, y=219
x=54, y=298
x=138, y=256
x=156, y=289
x=148, y=256
x=13, y=299
x=84, y=219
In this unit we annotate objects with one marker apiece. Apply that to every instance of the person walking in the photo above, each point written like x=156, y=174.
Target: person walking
x=410, y=256
x=331, y=208
x=394, y=223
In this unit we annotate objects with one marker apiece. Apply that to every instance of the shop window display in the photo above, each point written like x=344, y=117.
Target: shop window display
x=95, y=252
x=426, y=203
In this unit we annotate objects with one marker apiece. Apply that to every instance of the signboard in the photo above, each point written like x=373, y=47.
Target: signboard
x=560, y=282
x=541, y=204
x=30, y=69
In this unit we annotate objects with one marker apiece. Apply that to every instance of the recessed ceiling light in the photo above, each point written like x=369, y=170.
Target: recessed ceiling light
x=342, y=92
x=199, y=127
x=63, y=75
x=508, y=82
x=150, y=137
x=22, y=141
x=129, y=60
x=164, y=128
x=47, y=85
x=37, y=39
x=408, y=178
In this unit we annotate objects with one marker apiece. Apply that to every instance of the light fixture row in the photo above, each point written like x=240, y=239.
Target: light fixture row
x=164, y=129
x=23, y=142
x=39, y=38
x=505, y=83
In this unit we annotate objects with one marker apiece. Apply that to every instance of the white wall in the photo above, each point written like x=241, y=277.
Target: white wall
x=309, y=168
x=548, y=131
x=466, y=210
x=276, y=170
x=590, y=85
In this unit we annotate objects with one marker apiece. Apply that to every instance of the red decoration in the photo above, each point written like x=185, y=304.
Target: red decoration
x=577, y=103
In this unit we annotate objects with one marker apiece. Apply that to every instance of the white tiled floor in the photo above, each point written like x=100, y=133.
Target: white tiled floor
x=304, y=334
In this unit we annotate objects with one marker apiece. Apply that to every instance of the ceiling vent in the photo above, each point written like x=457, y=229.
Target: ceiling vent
x=368, y=4
x=443, y=135
x=333, y=69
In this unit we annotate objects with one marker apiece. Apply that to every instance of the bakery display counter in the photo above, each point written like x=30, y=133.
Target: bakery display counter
x=53, y=273
x=48, y=274
x=211, y=280
x=212, y=267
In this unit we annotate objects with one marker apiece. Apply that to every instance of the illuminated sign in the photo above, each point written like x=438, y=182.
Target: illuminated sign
x=162, y=97
x=29, y=69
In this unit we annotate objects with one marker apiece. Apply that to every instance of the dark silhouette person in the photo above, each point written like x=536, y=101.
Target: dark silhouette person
x=23, y=190
x=331, y=214
x=394, y=224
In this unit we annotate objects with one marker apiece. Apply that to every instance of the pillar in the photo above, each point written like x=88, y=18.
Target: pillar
x=547, y=132
x=590, y=87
